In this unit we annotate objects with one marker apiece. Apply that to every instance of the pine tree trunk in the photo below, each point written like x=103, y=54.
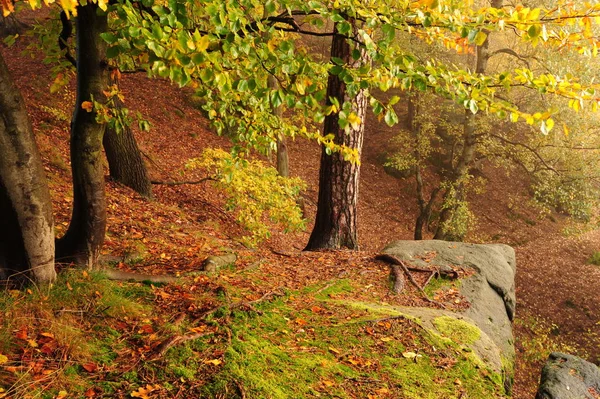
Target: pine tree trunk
x=84, y=238
x=27, y=230
x=125, y=161
x=336, y=219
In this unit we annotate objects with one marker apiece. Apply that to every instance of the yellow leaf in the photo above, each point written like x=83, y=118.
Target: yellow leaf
x=3, y=359
x=387, y=339
x=336, y=351
x=480, y=38
x=354, y=120
x=62, y=395
x=143, y=392
x=214, y=362
x=203, y=43
x=328, y=383
x=32, y=343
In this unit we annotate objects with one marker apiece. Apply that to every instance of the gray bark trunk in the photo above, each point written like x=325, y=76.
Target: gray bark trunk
x=27, y=238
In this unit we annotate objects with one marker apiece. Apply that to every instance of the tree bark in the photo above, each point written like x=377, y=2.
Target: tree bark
x=125, y=161
x=84, y=238
x=27, y=231
x=336, y=219
x=283, y=162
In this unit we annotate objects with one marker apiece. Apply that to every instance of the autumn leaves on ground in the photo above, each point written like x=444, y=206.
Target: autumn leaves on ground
x=278, y=315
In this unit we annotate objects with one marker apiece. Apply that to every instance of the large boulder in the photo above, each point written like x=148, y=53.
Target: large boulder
x=569, y=377
x=490, y=290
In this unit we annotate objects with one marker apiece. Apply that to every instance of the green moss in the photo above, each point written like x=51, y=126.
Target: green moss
x=330, y=352
x=457, y=330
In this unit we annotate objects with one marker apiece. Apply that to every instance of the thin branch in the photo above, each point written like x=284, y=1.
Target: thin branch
x=181, y=183
x=531, y=149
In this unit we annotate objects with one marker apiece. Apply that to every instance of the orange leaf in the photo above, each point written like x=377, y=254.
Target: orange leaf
x=87, y=105
x=90, y=367
x=22, y=333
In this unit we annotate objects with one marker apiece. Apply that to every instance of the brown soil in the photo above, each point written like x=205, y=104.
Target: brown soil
x=555, y=285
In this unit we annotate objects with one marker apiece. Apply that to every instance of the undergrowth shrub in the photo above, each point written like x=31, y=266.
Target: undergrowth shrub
x=255, y=192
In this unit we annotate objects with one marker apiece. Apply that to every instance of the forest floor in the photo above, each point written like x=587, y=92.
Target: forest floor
x=558, y=292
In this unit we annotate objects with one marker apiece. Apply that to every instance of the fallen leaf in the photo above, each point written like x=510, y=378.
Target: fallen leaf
x=3, y=359
x=22, y=333
x=214, y=362
x=336, y=351
x=143, y=392
x=47, y=335
x=90, y=367
x=387, y=339
x=32, y=343
x=62, y=395
x=409, y=355
x=328, y=383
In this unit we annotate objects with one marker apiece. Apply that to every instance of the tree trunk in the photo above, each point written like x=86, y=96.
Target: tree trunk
x=84, y=238
x=336, y=219
x=283, y=163
x=452, y=197
x=27, y=231
x=125, y=161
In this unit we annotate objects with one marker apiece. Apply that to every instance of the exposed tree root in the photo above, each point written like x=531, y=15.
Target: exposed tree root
x=395, y=265
x=168, y=343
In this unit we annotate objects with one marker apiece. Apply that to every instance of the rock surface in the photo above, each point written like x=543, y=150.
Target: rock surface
x=214, y=263
x=491, y=290
x=569, y=377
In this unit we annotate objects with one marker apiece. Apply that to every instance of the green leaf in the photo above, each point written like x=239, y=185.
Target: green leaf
x=270, y=7
x=390, y=117
x=113, y=52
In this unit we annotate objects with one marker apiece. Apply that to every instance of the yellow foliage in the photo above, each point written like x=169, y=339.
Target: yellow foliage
x=256, y=192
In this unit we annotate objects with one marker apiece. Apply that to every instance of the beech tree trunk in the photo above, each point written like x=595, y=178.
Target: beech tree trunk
x=27, y=226
x=125, y=161
x=84, y=238
x=336, y=219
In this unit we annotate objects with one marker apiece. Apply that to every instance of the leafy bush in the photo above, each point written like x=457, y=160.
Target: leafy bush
x=595, y=258
x=255, y=191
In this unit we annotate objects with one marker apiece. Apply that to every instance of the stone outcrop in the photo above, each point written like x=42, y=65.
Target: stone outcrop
x=569, y=377
x=490, y=291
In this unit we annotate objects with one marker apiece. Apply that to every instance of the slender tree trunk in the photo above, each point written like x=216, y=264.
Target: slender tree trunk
x=336, y=219
x=452, y=197
x=125, y=161
x=283, y=162
x=27, y=230
x=84, y=238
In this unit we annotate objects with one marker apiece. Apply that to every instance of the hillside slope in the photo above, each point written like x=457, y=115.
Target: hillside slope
x=557, y=290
